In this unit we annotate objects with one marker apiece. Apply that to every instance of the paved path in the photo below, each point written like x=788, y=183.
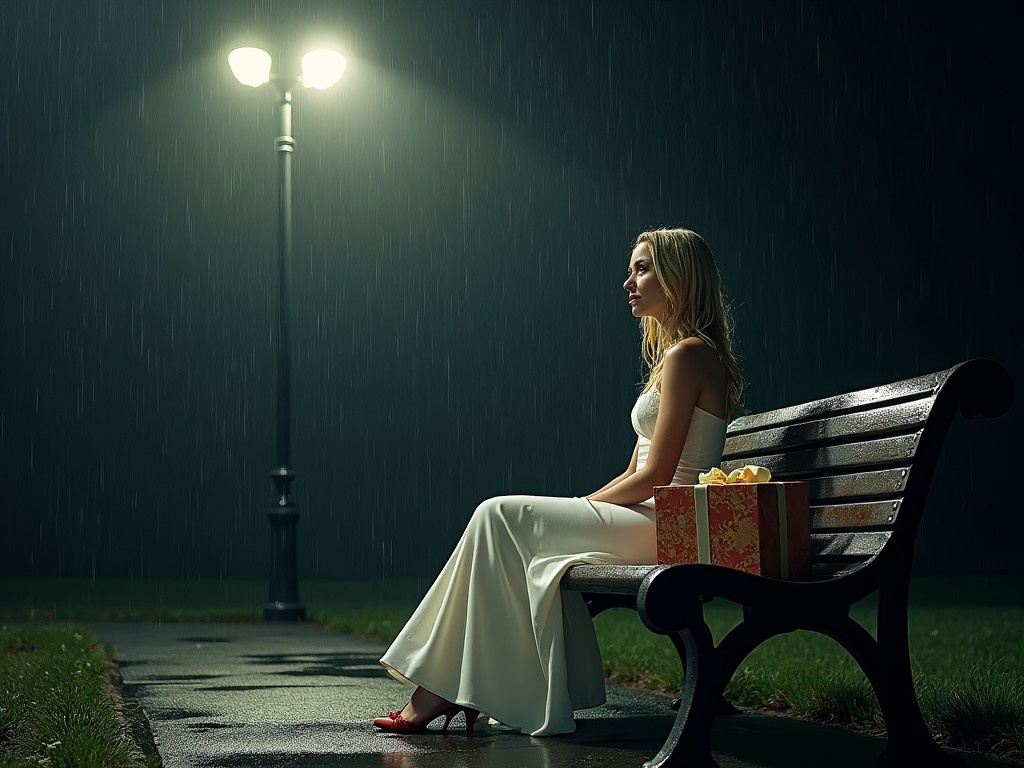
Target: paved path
x=298, y=696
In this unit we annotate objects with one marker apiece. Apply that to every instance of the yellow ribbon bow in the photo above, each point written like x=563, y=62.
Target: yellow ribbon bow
x=750, y=473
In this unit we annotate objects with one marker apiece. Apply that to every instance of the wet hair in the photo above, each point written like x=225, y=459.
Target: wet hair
x=695, y=306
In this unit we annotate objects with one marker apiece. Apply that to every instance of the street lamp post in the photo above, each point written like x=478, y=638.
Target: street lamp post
x=320, y=69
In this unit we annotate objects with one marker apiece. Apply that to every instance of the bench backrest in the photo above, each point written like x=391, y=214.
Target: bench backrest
x=869, y=457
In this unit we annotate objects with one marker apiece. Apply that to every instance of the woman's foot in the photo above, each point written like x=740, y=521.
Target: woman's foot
x=423, y=708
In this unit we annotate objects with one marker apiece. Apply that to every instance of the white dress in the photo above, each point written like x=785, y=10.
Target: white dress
x=496, y=633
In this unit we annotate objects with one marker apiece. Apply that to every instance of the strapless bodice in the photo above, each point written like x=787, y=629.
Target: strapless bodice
x=705, y=438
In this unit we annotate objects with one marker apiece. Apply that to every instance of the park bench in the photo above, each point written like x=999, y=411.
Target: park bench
x=869, y=457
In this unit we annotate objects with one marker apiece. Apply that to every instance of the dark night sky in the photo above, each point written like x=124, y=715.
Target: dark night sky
x=465, y=200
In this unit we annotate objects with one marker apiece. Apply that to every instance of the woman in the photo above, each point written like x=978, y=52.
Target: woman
x=494, y=632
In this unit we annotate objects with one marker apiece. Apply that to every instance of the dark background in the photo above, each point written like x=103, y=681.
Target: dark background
x=465, y=201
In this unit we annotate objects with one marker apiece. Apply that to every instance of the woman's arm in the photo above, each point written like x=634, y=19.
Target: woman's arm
x=629, y=471
x=683, y=377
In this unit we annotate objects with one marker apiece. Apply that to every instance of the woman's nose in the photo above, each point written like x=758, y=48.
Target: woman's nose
x=628, y=284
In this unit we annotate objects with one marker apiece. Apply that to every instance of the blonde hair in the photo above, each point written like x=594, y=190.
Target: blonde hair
x=695, y=306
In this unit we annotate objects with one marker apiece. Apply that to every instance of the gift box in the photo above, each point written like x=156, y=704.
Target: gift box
x=760, y=528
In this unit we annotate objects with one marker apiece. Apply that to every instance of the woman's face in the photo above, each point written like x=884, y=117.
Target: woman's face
x=646, y=298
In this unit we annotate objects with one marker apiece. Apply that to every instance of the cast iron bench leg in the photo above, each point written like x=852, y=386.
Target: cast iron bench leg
x=886, y=663
x=689, y=742
x=910, y=743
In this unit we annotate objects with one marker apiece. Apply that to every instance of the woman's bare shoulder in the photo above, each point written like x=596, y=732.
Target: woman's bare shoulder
x=693, y=352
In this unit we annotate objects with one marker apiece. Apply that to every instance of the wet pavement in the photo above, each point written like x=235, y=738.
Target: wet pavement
x=296, y=695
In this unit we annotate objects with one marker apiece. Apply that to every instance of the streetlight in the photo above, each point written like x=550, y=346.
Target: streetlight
x=320, y=69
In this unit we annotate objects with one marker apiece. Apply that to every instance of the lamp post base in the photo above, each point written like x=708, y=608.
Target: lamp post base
x=275, y=611
x=282, y=603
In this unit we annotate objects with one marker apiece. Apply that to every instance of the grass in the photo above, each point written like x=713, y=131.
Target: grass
x=57, y=704
x=966, y=637
x=368, y=609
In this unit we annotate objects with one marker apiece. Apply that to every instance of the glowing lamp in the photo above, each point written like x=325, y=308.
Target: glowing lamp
x=321, y=69
x=251, y=66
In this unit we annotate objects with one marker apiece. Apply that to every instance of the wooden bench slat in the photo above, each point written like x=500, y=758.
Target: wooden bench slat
x=597, y=579
x=903, y=417
x=833, y=569
x=921, y=386
x=866, y=455
x=606, y=579
x=844, y=545
x=858, y=486
x=870, y=514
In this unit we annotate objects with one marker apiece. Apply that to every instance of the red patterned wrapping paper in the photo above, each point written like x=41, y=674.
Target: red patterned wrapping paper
x=743, y=527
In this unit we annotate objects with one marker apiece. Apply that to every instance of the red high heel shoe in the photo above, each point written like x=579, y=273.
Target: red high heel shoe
x=395, y=722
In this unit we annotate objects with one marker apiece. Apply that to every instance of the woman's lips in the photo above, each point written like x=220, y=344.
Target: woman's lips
x=633, y=300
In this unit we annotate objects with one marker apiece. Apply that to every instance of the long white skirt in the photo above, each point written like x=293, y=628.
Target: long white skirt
x=496, y=633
